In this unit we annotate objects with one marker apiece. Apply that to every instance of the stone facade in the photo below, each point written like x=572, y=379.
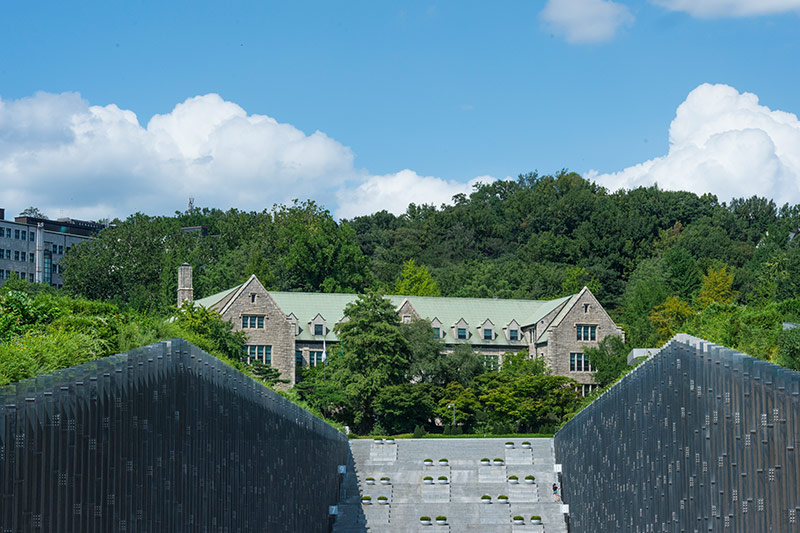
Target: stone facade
x=583, y=311
x=298, y=328
x=278, y=331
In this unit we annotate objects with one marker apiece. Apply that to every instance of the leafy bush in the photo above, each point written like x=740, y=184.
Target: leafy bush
x=441, y=517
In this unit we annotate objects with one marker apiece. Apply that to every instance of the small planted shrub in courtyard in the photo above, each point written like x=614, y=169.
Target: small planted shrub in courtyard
x=519, y=520
x=385, y=480
x=427, y=479
x=425, y=520
x=509, y=444
x=526, y=444
x=513, y=479
x=485, y=461
x=498, y=461
x=443, y=480
x=502, y=498
x=441, y=520
x=530, y=479
x=443, y=461
x=366, y=500
x=536, y=519
x=428, y=462
x=383, y=499
x=486, y=499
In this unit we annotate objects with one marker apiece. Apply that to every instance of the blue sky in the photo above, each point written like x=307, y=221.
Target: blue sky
x=411, y=101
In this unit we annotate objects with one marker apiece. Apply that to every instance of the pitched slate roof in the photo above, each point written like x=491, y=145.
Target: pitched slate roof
x=305, y=306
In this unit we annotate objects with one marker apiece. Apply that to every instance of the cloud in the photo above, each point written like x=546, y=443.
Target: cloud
x=586, y=21
x=69, y=158
x=393, y=192
x=724, y=142
x=729, y=8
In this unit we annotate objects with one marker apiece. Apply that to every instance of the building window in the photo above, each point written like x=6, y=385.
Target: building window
x=406, y=319
x=30, y=257
x=30, y=277
x=30, y=236
x=252, y=297
x=259, y=352
x=298, y=357
x=513, y=334
x=16, y=255
x=55, y=249
x=8, y=254
x=252, y=321
x=314, y=358
x=578, y=362
x=585, y=332
x=491, y=362
x=488, y=334
x=319, y=329
x=461, y=333
x=437, y=333
x=48, y=267
x=60, y=249
x=16, y=234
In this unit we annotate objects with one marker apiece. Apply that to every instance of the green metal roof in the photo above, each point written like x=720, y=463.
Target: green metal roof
x=210, y=301
x=305, y=306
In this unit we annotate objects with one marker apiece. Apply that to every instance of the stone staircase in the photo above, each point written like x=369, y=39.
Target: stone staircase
x=408, y=496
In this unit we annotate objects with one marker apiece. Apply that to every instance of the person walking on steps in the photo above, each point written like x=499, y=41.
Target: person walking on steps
x=555, y=492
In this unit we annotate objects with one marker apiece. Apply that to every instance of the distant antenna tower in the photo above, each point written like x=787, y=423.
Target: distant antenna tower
x=191, y=204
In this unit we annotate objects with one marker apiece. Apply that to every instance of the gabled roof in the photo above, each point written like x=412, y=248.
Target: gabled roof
x=214, y=299
x=475, y=311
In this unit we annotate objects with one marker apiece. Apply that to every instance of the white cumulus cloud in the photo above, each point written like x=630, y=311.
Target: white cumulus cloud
x=69, y=158
x=729, y=8
x=586, y=21
x=724, y=142
x=393, y=192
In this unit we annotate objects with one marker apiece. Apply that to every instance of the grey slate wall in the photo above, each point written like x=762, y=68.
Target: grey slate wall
x=164, y=438
x=696, y=438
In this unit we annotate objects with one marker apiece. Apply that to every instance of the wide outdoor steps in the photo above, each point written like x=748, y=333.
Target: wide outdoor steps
x=408, y=497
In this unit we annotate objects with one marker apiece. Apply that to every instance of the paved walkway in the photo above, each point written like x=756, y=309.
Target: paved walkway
x=408, y=496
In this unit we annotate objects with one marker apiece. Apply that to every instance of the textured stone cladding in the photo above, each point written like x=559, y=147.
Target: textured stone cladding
x=562, y=337
x=278, y=330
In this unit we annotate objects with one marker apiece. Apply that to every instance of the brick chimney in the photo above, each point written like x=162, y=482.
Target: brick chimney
x=185, y=290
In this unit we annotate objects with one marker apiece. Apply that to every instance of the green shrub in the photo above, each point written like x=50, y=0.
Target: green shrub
x=441, y=517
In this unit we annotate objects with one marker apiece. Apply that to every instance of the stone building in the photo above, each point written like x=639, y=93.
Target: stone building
x=290, y=329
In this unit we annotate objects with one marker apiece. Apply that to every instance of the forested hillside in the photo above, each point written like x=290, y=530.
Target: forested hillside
x=645, y=253
x=661, y=262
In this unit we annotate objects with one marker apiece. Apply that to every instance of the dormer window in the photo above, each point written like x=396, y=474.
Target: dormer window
x=461, y=333
x=513, y=334
x=319, y=329
x=488, y=334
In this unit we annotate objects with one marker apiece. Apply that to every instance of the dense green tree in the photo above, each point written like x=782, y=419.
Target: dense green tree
x=683, y=276
x=416, y=280
x=373, y=354
x=789, y=349
x=400, y=408
x=609, y=359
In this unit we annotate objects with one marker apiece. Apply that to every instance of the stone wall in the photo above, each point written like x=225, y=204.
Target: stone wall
x=278, y=331
x=562, y=338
